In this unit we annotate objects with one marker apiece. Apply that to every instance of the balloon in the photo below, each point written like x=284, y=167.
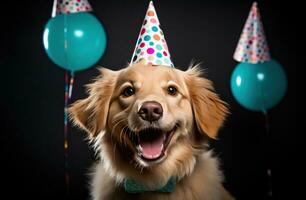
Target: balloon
x=74, y=41
x=260, y=86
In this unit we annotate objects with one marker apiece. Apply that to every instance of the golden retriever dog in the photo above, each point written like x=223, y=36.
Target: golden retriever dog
x=151, y=124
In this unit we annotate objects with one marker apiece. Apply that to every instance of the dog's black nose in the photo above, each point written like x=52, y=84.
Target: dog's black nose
x=150, y=111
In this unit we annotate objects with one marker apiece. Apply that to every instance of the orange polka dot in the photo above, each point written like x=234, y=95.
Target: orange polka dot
x=156, y=37
x=150, y=13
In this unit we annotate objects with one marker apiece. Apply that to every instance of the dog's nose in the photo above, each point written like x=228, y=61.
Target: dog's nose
x=150, y=111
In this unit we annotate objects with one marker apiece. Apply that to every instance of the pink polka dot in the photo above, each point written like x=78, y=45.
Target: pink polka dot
x=141, y=53
x=150, y=50
x=153, y=20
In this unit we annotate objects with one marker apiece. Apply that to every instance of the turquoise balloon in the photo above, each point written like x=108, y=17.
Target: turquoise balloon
x=74, y=41
x=259, y=87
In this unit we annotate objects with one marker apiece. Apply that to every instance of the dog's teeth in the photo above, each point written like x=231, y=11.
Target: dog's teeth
x=139, y=148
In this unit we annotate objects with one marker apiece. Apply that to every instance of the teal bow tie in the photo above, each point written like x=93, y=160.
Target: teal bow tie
x=132, y=186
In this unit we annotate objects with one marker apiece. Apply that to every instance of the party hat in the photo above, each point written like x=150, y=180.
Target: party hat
x=70, y=6
x=151, y=45
x=252, y=46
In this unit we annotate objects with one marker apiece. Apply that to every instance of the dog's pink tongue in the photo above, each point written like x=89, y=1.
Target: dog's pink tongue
x=152, y=149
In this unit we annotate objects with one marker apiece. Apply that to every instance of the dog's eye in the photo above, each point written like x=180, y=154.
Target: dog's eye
x=172, y=90
x=128, y=91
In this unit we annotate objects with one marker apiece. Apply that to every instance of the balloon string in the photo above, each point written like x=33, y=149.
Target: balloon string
x=67, y=96
x=269, y=170
x=267, y=126
x=71, y=83
x=68, y=93
x=66, y=143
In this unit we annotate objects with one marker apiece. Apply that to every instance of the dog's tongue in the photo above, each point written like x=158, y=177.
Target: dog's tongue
x=152, y=149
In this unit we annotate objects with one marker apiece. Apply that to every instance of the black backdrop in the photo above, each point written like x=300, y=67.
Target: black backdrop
x=32, y=96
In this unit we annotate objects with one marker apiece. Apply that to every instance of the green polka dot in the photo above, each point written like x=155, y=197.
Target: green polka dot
x=159, y=62
x=138, y=51
x=151, y=43
x=167, y=60
x=158, y=47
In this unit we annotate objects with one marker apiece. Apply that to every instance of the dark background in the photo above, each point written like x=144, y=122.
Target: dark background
x=32, y=92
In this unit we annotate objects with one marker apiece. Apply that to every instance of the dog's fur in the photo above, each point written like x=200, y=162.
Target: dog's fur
x=195, y=111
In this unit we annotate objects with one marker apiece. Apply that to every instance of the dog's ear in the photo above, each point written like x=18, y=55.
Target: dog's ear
x=91, y=113
x=209, y=110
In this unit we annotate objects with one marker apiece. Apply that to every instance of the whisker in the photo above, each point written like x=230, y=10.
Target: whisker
x=121, y=135
x=118, y=119
x=117, y=123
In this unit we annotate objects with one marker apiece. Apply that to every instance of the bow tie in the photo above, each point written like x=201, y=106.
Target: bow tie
x=134, y=187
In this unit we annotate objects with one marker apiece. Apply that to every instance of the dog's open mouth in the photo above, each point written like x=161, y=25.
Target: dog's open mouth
x=152, y=143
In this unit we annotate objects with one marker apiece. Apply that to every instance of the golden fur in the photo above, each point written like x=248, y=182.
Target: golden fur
x=195, y=111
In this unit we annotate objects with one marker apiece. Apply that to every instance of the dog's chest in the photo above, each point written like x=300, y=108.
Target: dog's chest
x=151, y=196
x=185, y=190
x=204, y=183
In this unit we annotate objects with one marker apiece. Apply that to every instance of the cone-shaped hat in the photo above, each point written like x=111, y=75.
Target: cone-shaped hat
x=70, y=6
x=252, y=46
x=151, y=45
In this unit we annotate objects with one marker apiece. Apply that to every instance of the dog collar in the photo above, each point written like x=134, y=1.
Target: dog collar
x=131, y=186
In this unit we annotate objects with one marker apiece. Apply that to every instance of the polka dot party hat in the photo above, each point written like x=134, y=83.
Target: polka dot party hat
x=151, y=45
x=252, y=46
x=70, y=6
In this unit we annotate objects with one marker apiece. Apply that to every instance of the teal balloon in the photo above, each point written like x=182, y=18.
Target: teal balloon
x=74, y=41
x=259, y=87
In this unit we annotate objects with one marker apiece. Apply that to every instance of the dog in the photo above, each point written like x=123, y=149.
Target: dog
x=151, y=124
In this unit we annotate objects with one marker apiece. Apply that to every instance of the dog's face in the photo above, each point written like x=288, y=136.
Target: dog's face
x=149, y=110
x=157, y=117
